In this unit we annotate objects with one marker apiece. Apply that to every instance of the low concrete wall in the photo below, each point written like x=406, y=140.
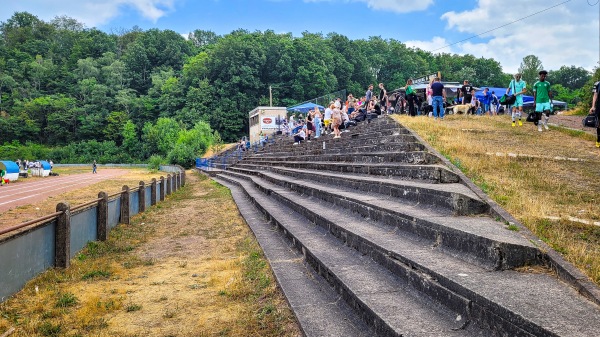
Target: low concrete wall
x=52, y=241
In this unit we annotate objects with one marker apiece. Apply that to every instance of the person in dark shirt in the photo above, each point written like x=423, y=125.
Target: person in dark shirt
x=596, y=109
x=438, y=98
x=465, y=92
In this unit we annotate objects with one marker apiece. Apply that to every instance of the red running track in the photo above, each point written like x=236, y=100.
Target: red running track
x=29, y=192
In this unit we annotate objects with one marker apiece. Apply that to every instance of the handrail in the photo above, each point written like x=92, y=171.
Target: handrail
x=114, y=194
x=30, y=222
x=89, y=203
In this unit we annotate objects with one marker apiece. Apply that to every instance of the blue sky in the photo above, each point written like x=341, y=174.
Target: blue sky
x=565, y=35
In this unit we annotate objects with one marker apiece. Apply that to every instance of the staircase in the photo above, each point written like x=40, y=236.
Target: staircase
x=374, y=234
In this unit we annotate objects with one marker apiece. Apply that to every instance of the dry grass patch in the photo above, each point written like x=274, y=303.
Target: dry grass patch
x=130, y=177
x=186, y=267
x=531, y=189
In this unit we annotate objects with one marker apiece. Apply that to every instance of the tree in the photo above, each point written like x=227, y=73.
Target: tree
x=130, y=139
x=6, y=82
x=115, y=123
x=569, y=77
x=530, y=68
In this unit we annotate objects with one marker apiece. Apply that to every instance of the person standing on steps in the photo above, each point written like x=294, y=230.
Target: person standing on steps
x=383, y=98
x=518, y=87
x=438, y=98
x=94, y=166
x=369, y=93
x=336, y=120
x=596, y=109
x=317, y=123
x=410, y=97
x=541, y=97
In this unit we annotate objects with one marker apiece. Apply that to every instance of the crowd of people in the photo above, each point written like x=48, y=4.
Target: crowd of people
x=341, y=115
x=337, y=117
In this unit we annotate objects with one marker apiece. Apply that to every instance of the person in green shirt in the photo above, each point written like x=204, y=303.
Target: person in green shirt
x=410, y=97
x=518, y=87
x=541, y=97
x=2, y=174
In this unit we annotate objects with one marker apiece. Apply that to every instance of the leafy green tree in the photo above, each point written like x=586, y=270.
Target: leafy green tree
x=7, y=82
x=115, y=123
x=130, y=139
x=569, y=77
x=529, y=68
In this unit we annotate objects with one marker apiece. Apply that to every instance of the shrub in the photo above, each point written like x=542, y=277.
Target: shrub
x=155, y=161
x=182, y=155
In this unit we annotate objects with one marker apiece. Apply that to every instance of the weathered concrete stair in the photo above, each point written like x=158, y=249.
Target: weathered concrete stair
x=411, y=254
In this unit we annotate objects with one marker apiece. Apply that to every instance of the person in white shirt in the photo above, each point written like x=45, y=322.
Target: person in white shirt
x=327, y=118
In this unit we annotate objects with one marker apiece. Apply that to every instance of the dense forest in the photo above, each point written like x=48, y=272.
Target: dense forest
x=78, y=94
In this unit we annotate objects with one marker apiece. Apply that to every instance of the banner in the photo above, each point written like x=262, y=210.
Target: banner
x=268, y=123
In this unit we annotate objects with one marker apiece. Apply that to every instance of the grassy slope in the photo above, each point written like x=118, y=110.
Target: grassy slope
x=531, y=189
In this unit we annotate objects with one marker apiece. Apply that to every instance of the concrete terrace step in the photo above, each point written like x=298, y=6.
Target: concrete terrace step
x=527, y=304
x=347, y=139
x=345, y=145
x=432, y=173
x=478, y=240
x=454, y=196
x=386, y=303
x=411, y=157
x=388, y=147
x=316, y=305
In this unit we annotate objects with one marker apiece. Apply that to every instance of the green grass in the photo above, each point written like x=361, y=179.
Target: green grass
x=66, y=300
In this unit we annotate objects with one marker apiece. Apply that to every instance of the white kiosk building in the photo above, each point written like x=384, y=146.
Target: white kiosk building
x=265, y=119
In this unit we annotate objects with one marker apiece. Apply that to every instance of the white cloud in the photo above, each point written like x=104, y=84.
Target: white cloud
x=564, y=35
x=398, y=6
x=437, y=44
x=90, y=12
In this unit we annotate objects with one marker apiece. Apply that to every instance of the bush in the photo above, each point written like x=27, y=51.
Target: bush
x=155, y=161
x=182, y=155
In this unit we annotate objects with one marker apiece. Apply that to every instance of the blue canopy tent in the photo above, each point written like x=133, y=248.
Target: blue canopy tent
x=11, y=168
x=305, y=107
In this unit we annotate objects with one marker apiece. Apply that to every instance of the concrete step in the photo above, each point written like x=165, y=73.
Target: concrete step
x=384, y=147
x=393, y=143
x=411, y=157
x=345, y=140
x=454, y=196
x=530, y=304
x=479, y=240
x=430, y=173
x=316, y=305
x=386, y=303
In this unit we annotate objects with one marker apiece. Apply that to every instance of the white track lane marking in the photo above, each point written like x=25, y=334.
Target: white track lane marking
x=86, y=180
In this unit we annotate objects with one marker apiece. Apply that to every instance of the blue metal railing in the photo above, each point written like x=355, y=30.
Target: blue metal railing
x=232, y=156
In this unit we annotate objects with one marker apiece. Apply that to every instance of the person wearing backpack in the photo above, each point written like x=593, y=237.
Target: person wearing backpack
x=596, y=109
x=518, y=88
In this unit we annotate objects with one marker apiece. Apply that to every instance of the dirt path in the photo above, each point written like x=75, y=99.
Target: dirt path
x=29, y=192
x=571, y=122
